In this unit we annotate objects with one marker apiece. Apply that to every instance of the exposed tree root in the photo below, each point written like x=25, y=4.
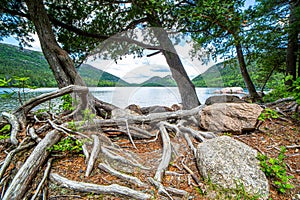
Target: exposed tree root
x=131, y=179
x=15, y=127
x=137, y=129
x=26, y=173
x=166, y=155
x=47, y=171
x=114, y=189
x=94, y=155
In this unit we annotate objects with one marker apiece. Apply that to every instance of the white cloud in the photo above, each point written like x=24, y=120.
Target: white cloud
x=35, y=45
x=137, y=70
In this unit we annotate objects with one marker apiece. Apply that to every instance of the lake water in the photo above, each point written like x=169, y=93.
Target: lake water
x=119, y=96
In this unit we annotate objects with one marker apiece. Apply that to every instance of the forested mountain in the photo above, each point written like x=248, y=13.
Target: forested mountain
x=25, y=63
x=157, y=81
x=229, y=75
x=15, y=62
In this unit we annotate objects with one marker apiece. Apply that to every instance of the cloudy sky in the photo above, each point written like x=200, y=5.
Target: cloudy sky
x=137, y=70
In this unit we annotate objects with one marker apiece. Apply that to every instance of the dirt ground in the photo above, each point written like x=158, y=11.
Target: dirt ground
x=272, y=134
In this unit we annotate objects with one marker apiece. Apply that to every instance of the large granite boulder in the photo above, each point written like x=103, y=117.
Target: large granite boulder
x=223, y=99
x=230, y=117
x=228, y=162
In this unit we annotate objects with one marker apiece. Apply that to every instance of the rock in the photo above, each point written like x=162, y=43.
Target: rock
x=230, y=117
x=233, y=90
x=120, y=113
x=155, y=109
x=230, y=90
x=134, y=108
x=223, y=99
x=227, y=162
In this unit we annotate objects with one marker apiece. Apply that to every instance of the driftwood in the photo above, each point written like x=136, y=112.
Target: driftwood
x=113, y=189
x=26, y=173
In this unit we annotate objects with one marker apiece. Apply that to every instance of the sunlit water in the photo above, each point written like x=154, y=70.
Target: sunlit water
x=119, y=96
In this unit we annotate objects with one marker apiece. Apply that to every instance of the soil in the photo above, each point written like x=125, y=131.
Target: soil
x=271, y=135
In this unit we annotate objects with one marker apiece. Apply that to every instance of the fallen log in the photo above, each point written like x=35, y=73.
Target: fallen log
x=113, y=189
x=27, y=172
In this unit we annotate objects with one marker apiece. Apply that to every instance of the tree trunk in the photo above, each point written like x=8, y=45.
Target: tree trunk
x=291, y=52
x=248, y=82
x=185, y=86
x=60, y=63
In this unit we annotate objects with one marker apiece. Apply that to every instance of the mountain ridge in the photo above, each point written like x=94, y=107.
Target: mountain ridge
x=17, y=62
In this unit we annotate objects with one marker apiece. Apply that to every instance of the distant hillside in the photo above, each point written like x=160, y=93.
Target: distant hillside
x=157, y=81
x=229, y=75
x=218, y=76
x=96, y=77
x=32, y=64
x=25, y=63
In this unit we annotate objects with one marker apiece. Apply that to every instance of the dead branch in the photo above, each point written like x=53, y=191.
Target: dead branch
x=191, y=173
x=94, y=155
x=26, y=173
x=15, y=126
x=131, y=179
x=113, y=189
x=161, y=189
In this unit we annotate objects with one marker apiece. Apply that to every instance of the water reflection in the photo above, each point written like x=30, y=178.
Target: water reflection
x=119, y=96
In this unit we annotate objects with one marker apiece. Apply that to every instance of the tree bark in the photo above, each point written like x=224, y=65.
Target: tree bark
x=185, y=86
x=60, y=63
x=248, y=82
x=292, y=47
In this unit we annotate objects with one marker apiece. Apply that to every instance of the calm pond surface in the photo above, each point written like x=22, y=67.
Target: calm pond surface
x=119, y=96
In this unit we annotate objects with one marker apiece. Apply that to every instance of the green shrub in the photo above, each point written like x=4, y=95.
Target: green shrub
x=268, y=114
x=68, y=145
x=275, y=168
x=67, y=103
x=282, y=91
